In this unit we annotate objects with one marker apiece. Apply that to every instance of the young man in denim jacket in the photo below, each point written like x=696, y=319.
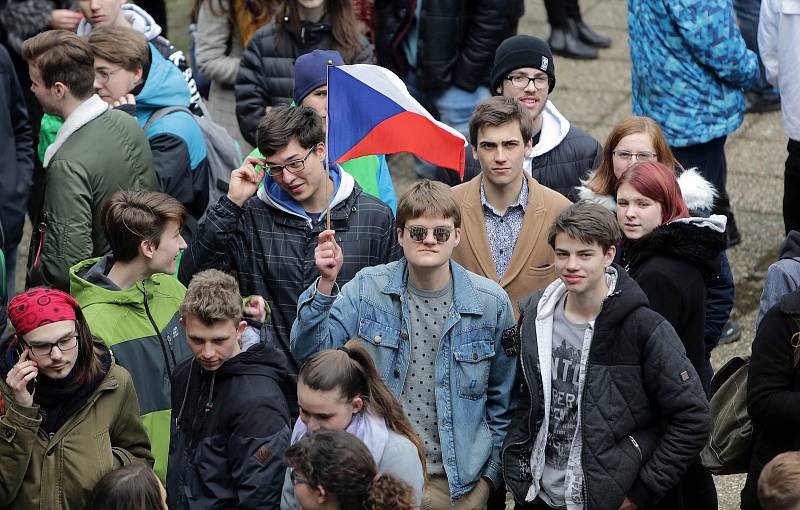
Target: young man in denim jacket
x=443, y=339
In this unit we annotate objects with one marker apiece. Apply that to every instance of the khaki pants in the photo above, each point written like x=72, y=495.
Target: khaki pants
x=437, y=496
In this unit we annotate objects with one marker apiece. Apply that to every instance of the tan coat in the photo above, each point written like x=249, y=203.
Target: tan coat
x=531, y=266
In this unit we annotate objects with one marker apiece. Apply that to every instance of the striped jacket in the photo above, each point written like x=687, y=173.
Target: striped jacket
x=270, y=243
x=141, y=327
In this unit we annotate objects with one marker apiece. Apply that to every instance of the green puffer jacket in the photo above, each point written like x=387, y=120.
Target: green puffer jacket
x=148, y=349
x=38, y=472
x=96, y=152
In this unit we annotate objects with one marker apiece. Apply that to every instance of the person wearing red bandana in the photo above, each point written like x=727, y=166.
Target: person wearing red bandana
x=70, y=412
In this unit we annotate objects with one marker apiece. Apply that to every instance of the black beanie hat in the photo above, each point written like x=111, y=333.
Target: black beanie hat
x=522, y=51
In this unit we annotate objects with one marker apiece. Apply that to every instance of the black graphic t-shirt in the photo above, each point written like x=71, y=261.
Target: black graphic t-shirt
x=567, y=346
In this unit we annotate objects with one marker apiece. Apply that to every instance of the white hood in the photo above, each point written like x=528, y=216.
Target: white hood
x=554, y=129
x=136, y=16
x=716, y=222
x=698, y=193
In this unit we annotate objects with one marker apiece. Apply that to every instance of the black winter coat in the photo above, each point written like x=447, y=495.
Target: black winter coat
x=672, y=266
x=773, y=391
x=562, y=168
x=644, y=414
x=266, y=69
x=273, y=251
x=230, y=430
x=16, y=156
x=457, y=39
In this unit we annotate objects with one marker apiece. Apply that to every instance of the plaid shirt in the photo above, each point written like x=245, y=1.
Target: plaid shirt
x=273, y=251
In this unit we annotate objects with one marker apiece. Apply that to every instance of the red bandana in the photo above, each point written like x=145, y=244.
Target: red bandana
x=38, y=307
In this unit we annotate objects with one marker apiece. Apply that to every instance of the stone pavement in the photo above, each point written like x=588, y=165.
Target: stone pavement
x=594, y=95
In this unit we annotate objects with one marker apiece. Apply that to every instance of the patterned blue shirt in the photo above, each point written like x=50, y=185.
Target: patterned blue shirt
x=503, y=229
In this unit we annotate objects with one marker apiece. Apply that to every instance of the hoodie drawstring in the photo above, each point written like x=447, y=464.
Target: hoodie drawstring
x=185, y=395
x=210, y=402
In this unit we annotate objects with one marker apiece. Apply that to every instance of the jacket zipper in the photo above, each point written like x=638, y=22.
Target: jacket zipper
x=638, y=449
x=42, y=230
x=158, y=333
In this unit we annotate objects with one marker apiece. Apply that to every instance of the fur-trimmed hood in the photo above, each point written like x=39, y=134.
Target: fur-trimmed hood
x=698, y=193
x=696, y=240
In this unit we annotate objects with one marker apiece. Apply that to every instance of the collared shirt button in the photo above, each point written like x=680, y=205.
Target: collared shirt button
x=377, y=339
x=404, y=335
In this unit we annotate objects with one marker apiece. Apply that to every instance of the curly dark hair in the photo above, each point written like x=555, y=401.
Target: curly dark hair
x=355, y=482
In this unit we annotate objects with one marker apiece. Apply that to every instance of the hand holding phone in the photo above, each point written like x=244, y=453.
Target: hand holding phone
x=21, y=379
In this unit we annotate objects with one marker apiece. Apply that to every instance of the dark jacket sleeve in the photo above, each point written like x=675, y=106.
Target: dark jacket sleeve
x=173, y=166
x=252, y=93
x=220, y=242
x=23, y=19
x=771, y=398
x=260, y=434
x=16, y=144
x=678, y=395
x=719, y=303
x=484, y=33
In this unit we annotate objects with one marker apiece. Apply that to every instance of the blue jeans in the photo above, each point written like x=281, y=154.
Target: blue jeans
x=453, y=106
x=747, y=14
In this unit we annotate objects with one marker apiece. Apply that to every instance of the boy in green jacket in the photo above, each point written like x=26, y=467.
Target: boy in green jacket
x=131, y=301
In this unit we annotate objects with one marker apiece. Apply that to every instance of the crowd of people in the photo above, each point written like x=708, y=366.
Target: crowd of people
x=281, y=331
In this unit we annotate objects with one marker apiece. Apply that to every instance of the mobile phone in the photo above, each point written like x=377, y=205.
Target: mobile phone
x=31, y=387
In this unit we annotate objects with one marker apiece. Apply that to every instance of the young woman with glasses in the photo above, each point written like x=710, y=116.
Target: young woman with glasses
x=340, y=389
x=355, y=484
x=69, y=413
x=640, y=139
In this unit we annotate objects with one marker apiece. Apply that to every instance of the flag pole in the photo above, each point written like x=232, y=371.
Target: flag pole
x=327, y=149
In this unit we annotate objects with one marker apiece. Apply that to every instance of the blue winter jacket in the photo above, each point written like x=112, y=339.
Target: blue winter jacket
x=689, y=66
x=178, y=146
x=476, y=363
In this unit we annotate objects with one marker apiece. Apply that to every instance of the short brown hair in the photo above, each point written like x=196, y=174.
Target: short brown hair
x=428, y=197
x=779, y=482
x=496, y=111
x=587, y=221
x=130, y=217
x=212, y=296
x=284, y=122
x=122, y=46
x=62, y=57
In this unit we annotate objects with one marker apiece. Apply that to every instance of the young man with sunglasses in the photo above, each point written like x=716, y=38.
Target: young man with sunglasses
x=561, y=154
x=443, y=339
x=269, y=239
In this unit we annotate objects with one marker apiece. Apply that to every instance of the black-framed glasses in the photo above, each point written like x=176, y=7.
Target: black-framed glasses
x=299, y=479
x=102, y=76
x=521, y=81
x=418, y=233
x=638, y=156
x=294, y=167
x=64, y=345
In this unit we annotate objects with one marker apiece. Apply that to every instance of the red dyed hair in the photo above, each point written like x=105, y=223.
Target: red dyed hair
x=657, y=182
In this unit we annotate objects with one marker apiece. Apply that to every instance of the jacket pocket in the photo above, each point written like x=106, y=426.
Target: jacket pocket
x=473, y=362
x=105, y=455
x=790, y=7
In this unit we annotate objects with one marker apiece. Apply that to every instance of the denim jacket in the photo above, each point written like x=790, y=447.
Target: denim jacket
x=473, y=384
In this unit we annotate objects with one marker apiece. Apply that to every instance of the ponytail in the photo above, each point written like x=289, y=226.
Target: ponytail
x=350, y=369
x=388, y=492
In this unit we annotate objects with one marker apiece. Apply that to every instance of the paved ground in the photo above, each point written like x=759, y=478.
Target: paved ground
x=595, y=95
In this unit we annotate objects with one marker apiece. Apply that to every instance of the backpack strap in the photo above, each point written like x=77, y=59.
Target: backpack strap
x=795, y=340
x=162, y=112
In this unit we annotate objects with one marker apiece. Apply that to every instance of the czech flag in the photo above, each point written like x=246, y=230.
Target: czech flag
x=371, y=112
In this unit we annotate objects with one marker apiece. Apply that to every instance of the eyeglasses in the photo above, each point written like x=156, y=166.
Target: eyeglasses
x=638, y=156
x=65, y=344
x=521, y=81
x=294, y=167
x=102, y=76
x=298, y=479
x=418, y=233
